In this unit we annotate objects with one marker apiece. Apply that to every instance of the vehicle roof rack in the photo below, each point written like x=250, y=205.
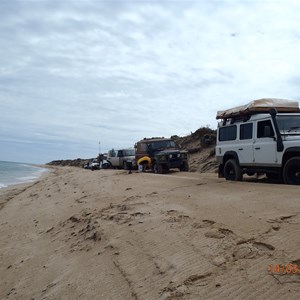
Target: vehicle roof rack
x=241, y=118
x=263, y=105
x=154, y=138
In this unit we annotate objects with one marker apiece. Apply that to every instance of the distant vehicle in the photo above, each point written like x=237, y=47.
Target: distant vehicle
x=260, y=137
x=121, y=158
x=161, y=155
x=95, y=165
x=86, y=165
x=104, y=164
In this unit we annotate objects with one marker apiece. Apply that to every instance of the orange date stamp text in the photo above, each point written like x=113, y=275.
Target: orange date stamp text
x=284, y=269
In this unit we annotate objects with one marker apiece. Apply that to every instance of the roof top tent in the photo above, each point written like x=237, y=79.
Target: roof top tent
x=260, y=106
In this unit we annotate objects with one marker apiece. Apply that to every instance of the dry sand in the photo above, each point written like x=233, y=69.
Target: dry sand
x=77, y=234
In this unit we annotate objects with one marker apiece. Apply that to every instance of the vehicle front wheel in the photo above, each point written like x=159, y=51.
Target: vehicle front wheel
x=105, y=166
x=157, y=168
x=291, y=171
x=232, y=170
x=184, y=167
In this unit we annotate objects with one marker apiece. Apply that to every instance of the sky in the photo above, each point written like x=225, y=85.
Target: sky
x=82, y=76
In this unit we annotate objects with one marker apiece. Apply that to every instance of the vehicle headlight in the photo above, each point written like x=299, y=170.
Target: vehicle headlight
x=183, y=155
x=178, y=155
x=170, y=155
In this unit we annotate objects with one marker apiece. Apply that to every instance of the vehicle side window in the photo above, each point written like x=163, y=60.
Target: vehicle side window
x=227, y=133
x=112, y=153
x=261, y=128
x=246, y=131
x=130, y=152
x=142, y=147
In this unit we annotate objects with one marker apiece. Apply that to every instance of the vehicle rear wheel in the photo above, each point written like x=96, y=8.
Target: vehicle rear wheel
x=291, y=171
x=125, y=165
x=232, y=170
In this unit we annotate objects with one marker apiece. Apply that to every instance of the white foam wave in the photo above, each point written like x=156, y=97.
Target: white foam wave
x=27, y=178
x=2, y=185
x=12, y=173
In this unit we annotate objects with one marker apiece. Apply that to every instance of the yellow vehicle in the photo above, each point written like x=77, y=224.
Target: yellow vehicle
x=160, y=155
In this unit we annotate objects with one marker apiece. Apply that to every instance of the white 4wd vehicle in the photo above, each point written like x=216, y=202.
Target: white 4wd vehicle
x=121, y=158
x=261, y=137
x=95, y=164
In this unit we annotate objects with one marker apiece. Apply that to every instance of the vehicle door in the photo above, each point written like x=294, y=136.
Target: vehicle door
x=120, y=156
x=245, y=148
x=265, y=147
x=112, y=158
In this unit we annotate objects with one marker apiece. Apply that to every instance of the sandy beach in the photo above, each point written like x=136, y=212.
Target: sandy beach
x=78, y=234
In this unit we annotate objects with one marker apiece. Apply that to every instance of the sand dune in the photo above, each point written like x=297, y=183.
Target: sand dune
x=77, y=234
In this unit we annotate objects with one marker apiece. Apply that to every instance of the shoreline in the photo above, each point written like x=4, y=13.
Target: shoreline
x=43, y=169
x=9, y=192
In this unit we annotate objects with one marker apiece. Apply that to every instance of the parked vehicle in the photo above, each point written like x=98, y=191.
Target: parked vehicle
x=104, y=164
x=86, y=165
x=261, y=137
x=121, y=158
x=160, y=155
x=95, y=164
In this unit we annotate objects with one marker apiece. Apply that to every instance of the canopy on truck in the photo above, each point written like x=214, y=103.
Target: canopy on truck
x=260, y=106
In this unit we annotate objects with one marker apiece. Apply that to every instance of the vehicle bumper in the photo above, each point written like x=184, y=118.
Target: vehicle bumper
x=174, y=164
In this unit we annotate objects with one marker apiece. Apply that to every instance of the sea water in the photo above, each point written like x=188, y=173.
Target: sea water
x=15, y=173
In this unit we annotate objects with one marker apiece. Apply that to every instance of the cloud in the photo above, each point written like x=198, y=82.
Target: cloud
x=73, y=73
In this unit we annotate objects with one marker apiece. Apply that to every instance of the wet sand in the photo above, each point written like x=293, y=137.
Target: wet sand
x=78, y=234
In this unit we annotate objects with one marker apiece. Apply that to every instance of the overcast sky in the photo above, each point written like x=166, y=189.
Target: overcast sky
x=76, y=72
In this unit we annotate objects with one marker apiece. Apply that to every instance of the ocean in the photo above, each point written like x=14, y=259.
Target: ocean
x=15, y=173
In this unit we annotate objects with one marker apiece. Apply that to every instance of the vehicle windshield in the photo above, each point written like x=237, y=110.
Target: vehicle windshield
x=129, y=152
x=163, y=144
x=289, y=123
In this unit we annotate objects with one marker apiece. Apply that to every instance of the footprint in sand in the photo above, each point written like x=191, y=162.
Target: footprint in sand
x=251, y=249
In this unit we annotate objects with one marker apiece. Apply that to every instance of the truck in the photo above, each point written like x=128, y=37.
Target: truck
x=160, y=155
x=262, y=136
x=121, y=159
